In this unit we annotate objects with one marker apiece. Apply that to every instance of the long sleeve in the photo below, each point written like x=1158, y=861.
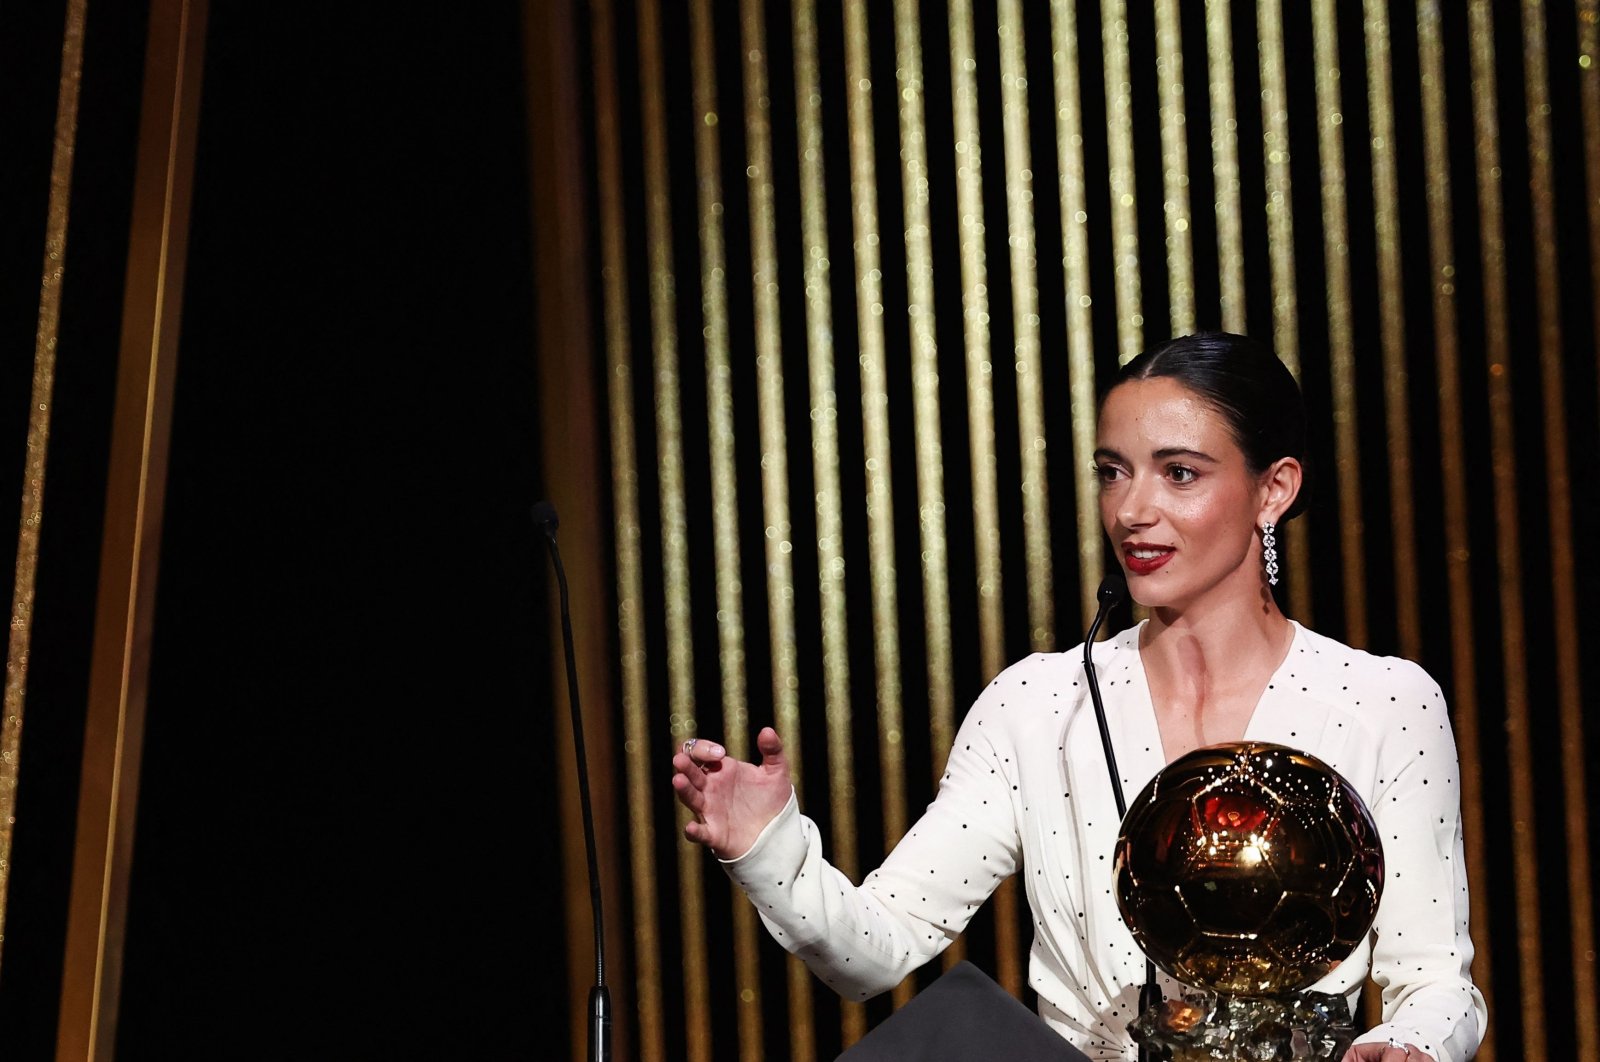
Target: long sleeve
x=1422, y=954
x=864, y=940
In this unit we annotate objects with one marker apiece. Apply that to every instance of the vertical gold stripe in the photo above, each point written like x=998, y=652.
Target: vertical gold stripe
x=1588, y=17
x=924, y=394
x=113, y=733
x=975, y=317
x=1452, y=442
x=875, y=422
x=1341, y=344
x=1030, y=403
x=1029, y=400
x=1280, y=240
x=1280, y=213
x=639, y=747
x=719, y=392
x=1225, y=163
x=39, y=409
x=778, y=532
x=824, y=415
x=1572, y=725
x=1025, y=311
x=875, y=417
x=825, y=469
x=1497, y=340
x=1391, y=313
x=724, y=485
x=769, y=371
x=1124, y=207
x=1080, y=325
x=577, y=472
x=1557, y=477
x=980, y=418
x=674, y=529
x=1175, y=166
x=925, y=381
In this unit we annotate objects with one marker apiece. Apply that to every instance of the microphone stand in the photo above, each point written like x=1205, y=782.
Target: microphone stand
x=1113, y=588
x=544, y=515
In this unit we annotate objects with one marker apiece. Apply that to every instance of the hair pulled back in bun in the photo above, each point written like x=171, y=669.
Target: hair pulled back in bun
x=1248, y=387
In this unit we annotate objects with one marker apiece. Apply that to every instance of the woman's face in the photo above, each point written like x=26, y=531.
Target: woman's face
x=1177, y=499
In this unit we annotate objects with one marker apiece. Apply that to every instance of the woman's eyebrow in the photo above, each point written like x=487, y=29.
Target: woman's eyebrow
x=1106, y=453
x=1182, y=451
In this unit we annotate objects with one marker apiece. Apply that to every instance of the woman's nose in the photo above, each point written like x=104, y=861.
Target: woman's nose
x=1138, y=504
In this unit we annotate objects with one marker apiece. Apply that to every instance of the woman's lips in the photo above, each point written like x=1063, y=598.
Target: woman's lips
x=1153, y=558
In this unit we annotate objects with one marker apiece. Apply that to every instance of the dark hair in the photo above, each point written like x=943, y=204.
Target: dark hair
x=1245, y=383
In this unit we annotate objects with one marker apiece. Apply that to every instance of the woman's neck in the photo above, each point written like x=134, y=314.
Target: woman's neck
x=1207, y=668
x=1239, y=636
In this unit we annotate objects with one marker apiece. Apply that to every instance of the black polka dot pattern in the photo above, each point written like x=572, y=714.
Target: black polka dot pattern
x=1026, y=784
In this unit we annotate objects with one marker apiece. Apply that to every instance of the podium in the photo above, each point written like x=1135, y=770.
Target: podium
x=963, y=1017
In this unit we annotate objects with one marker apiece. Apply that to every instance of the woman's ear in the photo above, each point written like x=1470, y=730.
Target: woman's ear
x=1282, y=485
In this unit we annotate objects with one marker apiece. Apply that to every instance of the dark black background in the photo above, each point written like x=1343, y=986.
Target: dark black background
x=346, y=825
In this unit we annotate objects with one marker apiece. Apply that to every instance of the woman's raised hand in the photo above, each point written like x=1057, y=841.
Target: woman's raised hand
x=732, y=801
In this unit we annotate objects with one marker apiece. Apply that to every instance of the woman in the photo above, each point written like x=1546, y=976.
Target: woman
x=1200, y=459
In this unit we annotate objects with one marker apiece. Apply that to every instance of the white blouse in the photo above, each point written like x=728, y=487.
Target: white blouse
x=1026, y=791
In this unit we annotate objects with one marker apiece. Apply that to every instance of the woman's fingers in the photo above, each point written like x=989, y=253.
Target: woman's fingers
x=1392, y=1051
x=704, y=753
x=770, y=745
x=689, y=796
x=693, y=772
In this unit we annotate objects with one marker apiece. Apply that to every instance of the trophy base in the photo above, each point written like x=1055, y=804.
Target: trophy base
x=1201, y=1026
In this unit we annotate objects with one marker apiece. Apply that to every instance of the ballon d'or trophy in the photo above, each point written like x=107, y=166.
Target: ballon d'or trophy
x=1248, y=871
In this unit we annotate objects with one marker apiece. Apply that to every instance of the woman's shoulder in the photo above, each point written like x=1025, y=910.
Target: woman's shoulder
x=1332, y=652
x=1363, y=679
x=1041, y=684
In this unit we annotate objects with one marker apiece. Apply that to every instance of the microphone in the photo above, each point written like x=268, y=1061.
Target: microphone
x=1113, y=588
x=545, y=518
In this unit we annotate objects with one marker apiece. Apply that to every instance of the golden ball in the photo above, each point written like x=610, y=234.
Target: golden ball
x=1248, y=868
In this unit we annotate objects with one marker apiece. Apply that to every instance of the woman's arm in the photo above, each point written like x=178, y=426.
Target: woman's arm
x=864, y=940
x=1422, y=955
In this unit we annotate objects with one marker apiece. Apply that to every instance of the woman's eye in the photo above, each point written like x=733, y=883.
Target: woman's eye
x=1181, y=474
x=1107, y=474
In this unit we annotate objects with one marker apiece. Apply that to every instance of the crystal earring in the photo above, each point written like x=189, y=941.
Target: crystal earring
x=1269, y=551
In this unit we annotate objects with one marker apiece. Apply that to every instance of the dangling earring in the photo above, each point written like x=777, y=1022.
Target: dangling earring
x=1269, y=552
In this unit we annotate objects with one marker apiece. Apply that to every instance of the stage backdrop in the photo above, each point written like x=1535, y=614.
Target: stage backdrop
x=856, y=273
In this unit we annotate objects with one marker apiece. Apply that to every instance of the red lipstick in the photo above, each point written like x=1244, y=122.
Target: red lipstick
x=1145, y=565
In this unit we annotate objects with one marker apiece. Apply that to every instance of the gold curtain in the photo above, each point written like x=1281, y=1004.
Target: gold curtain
x=851, y=360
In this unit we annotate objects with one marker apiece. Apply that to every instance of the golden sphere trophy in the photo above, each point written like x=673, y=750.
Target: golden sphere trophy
x=1248, y=871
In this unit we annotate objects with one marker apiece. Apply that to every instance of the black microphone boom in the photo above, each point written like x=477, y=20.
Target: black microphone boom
x=544, y=515
x=1113, y=588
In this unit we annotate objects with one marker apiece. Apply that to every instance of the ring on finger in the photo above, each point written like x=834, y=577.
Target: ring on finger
x=1398, y=1046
